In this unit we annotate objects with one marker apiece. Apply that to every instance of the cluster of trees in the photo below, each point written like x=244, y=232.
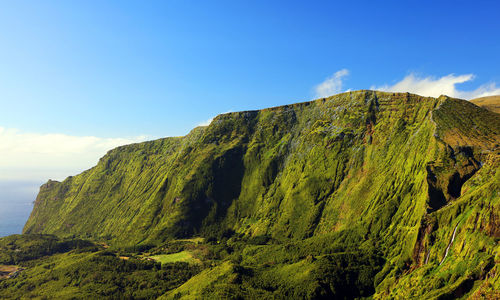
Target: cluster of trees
x=15, y=249
x=260, y=266
x=101, y=275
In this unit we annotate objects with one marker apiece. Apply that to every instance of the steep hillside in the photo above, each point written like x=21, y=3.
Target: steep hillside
x=287, y=171
x=491, y=103
x=399, y=191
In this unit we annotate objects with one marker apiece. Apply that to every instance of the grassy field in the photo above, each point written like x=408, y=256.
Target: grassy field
x=184, y=256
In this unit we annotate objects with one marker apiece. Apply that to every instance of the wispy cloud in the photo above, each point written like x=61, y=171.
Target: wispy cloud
x=446, y=85
x=332, y=85
x=205, y=123
x=35, y=156
x=208, y=121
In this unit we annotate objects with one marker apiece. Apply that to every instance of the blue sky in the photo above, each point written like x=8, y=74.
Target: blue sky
x=79, y=77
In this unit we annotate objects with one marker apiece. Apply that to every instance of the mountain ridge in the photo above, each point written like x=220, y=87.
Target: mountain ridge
x=387, y=173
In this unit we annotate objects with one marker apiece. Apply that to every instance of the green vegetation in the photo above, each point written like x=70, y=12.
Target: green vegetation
x=84, y=270
x=363, y=194
x=183, y=256
x=19, y=248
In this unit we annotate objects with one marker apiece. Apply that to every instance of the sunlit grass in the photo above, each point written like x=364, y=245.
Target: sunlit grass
x=184, y=256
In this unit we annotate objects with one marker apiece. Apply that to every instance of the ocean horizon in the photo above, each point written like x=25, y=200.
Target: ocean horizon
x=16, y=203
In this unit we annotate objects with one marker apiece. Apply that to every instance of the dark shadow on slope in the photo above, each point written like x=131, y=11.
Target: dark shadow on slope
x=210, y=193
x=228, y=171
x=445, y=182
x=436, y=195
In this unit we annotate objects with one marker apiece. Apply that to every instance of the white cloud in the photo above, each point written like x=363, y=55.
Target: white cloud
x=35, y=156
x=205, y=123
x=446, y=85
x=332, y=85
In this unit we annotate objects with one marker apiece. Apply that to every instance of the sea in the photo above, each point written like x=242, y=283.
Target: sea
x=16, y=203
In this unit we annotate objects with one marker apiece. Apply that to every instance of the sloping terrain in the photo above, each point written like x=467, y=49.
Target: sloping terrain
x=287, y=172
x=491, y=103
x=395, y=193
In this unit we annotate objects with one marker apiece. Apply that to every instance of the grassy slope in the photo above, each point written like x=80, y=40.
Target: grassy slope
x=491, y=103
x=471, y=267
x=275, y=171
x=354, y=171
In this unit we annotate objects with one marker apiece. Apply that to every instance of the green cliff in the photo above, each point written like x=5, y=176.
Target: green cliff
x=386, y=195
